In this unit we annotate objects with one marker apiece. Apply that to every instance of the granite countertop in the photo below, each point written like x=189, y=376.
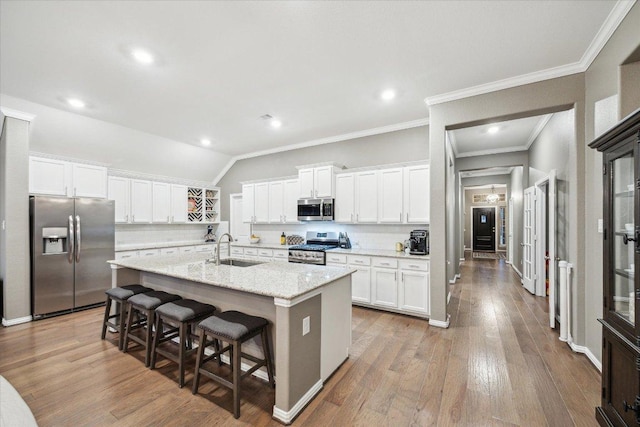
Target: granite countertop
x=159, y=245
x=273, y=279
x=378, y=252
x=260, y=245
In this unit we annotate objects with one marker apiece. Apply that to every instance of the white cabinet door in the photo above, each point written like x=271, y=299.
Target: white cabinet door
x=119, y=192
x=276, y=202
x=48, y=176
x=345, y=198
x=390, y=196
x=384, y=283
x=161, y=202
x=89, y=181
x=367, y=197
x=414, y=291
x=179, y=204
x=323, y=181
x=290, y=201
x=141, y=201
x=281, y=255
x=361, y=285
x=416, y=194
x=261, y=200
x=248, y=204
x=305, y=178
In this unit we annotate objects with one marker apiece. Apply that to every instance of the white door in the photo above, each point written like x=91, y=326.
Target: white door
x=553, y=263
x=385, y=287
x=390, y=191
x=305, y=177
x=345, y=198
x=290, y=201
x=49, y=176
x=541, y=241
x=361, y=285
x=119, y=192
x=510, y=243
x=161, y=202
x=367, y=197
x=323, y=181
x=276, y=202
x=261, y=200
x=89, y=181
x=141, y=201
x=414, y=291
x=238, y=228
x=179, y=205
x=416, y=194
x=529, y=241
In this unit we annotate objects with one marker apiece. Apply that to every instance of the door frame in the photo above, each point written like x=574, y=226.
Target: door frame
x=548, y=186
x=495, y=230
x=510, y=235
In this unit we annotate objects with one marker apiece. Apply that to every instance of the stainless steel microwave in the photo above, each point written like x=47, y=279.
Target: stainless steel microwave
x=315, y=210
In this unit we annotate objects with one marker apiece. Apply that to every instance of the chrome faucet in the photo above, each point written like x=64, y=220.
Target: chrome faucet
x=217, y=254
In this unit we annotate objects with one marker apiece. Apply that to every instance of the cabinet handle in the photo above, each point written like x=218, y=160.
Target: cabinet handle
x=414, y=266
x=133, y=218
x=395, y=275
x=167, y=218
x=384, y=263
x=75, y=191
x=352, y=217
x=316, y=193
x=402, y=277
x=172, y=218
x=400, y=216
x=311, y=193
x=407, y=216
x=357, y=215
x=66, y=190
x=126, y=218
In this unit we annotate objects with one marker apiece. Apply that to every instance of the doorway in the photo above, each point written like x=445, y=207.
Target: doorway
x=484, y=229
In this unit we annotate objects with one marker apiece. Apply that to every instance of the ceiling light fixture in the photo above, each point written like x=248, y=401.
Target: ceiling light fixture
x=76, y=103
x=493, y=129
x=142, y=56
x=206, y=142
x=275, y=123
x=493, y=197
x=388, y=94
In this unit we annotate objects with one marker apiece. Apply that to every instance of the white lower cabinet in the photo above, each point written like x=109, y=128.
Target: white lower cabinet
x=361, y=279
x=281, y=255
x=169, y=251
x=126, y=254
x=414, y=286
x=384, y=282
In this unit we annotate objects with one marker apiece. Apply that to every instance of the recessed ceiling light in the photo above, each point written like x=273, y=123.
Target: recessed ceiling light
x=76, y=103
x=493, y=129
x=275, y=123
x=142, y=56
x=206, y=142
x=388, y=94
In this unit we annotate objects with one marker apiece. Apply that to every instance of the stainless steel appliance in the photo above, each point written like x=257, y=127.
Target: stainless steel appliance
x=419, y=242
x=315, y=210
x=71, y=241
x=313, y=252
x=343, y=240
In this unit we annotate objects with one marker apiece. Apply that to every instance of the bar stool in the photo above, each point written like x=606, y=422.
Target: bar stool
x=234, y=328
x=180, y=315
x=144, y=305
x=120, y=295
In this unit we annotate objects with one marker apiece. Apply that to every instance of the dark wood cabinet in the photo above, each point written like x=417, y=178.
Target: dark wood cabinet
x=620, y=146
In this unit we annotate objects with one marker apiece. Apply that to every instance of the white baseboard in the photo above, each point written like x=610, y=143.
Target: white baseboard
x=17, y=321
x=455, y=279
x=516, y=269
x=448, y=297
x=440, y=323
x=585, y=350
x=244, y=366
x=287, y=417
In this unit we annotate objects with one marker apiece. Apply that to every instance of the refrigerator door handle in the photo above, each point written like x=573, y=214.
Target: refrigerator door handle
x=79, y=238
x=71, y=240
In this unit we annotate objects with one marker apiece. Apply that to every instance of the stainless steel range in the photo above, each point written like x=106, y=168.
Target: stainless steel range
x=313, y=252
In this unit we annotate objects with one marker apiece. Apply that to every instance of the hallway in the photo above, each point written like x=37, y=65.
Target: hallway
x=497, y=365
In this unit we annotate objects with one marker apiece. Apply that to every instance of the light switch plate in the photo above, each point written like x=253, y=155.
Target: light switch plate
x=600, y=225
x=306, y=325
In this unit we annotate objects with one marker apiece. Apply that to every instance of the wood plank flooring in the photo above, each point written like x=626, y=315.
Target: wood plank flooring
x=497, y=365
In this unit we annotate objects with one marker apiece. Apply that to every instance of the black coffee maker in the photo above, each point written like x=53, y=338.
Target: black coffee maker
x=419, y=242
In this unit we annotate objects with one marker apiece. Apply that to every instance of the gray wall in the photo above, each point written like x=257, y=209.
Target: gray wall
x=602, y=80
x=74, y=136
x=393, y=147
x=14, y=209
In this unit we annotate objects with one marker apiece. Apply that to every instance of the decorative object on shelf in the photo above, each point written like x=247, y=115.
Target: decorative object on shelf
x=295, y=240
x=254, y=239
x=493, y=197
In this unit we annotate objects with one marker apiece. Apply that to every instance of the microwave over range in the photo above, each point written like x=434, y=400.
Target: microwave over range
x=315, y=209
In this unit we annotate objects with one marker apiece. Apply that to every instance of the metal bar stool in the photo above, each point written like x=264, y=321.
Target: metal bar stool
x=234, y=328
x=120, y=295
x=144, y=305
x=180, y=316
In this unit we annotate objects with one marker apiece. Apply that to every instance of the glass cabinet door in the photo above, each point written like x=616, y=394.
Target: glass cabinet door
x=624, y=240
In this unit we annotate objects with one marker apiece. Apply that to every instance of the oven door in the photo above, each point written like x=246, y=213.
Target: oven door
x=310, y=210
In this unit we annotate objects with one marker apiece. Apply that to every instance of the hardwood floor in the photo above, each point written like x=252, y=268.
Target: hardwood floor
x=497, y=365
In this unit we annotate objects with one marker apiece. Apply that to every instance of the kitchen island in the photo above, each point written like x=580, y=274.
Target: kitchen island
x=308, y=307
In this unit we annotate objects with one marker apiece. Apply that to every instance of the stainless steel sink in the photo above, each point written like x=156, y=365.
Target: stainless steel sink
x=238, y=262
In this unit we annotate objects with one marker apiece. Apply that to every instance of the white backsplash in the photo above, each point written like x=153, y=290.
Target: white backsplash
x=367, y=236
x=135, y=234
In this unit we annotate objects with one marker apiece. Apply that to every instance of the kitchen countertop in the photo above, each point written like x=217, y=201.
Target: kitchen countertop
x=377, y=252
x=159, y=245
x=273, y=279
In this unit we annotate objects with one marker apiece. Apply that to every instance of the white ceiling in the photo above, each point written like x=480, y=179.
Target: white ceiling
x=317, y=66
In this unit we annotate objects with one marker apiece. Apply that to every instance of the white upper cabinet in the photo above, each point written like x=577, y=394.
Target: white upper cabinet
x=179, y=205
x=119, y=192
x=276, y=202
x=390, y=196
x=290, y=200
x=161, y=202
x=248, y=204
x=261, y=202
x=366, y=197
x=61, y=178
x=416, y=194
x=317, y=182
x=345, y=198
x=141, y=201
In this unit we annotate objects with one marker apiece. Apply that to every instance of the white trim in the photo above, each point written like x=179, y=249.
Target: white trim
x=288, y=416
x=281, y=302
x=16, y=321
x=448, y=297
x=321, y=141
x=609, y=26
x=15, y=114
x=66, y=159
x=517, y=271
x=152, y=177
x=493, y=151
x=542, y=123
x=440, y=323
x=585, y=350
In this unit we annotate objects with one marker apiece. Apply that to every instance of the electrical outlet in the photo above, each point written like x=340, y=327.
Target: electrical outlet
x=600, y=226
x=306, y=325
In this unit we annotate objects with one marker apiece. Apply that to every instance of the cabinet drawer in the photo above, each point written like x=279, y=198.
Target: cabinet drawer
x=126, y=255
x=336, y=258
x=204, y=248
x=237, y=251
x=281, y=254
x=265, y=252
x=251, y=251
x=149, y=252
x=384, y=262
x=359, y=260
x=187, y=249
x=168, y=251
x=417, y=265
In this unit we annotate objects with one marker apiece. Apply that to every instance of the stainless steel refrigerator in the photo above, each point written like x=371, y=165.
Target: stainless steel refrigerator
x=71, y=241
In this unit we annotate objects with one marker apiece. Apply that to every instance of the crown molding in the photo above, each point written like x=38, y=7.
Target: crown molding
x=539, y=127
x=615, y=17
x=20, y=115
x=321, y=141
x=493, y=151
